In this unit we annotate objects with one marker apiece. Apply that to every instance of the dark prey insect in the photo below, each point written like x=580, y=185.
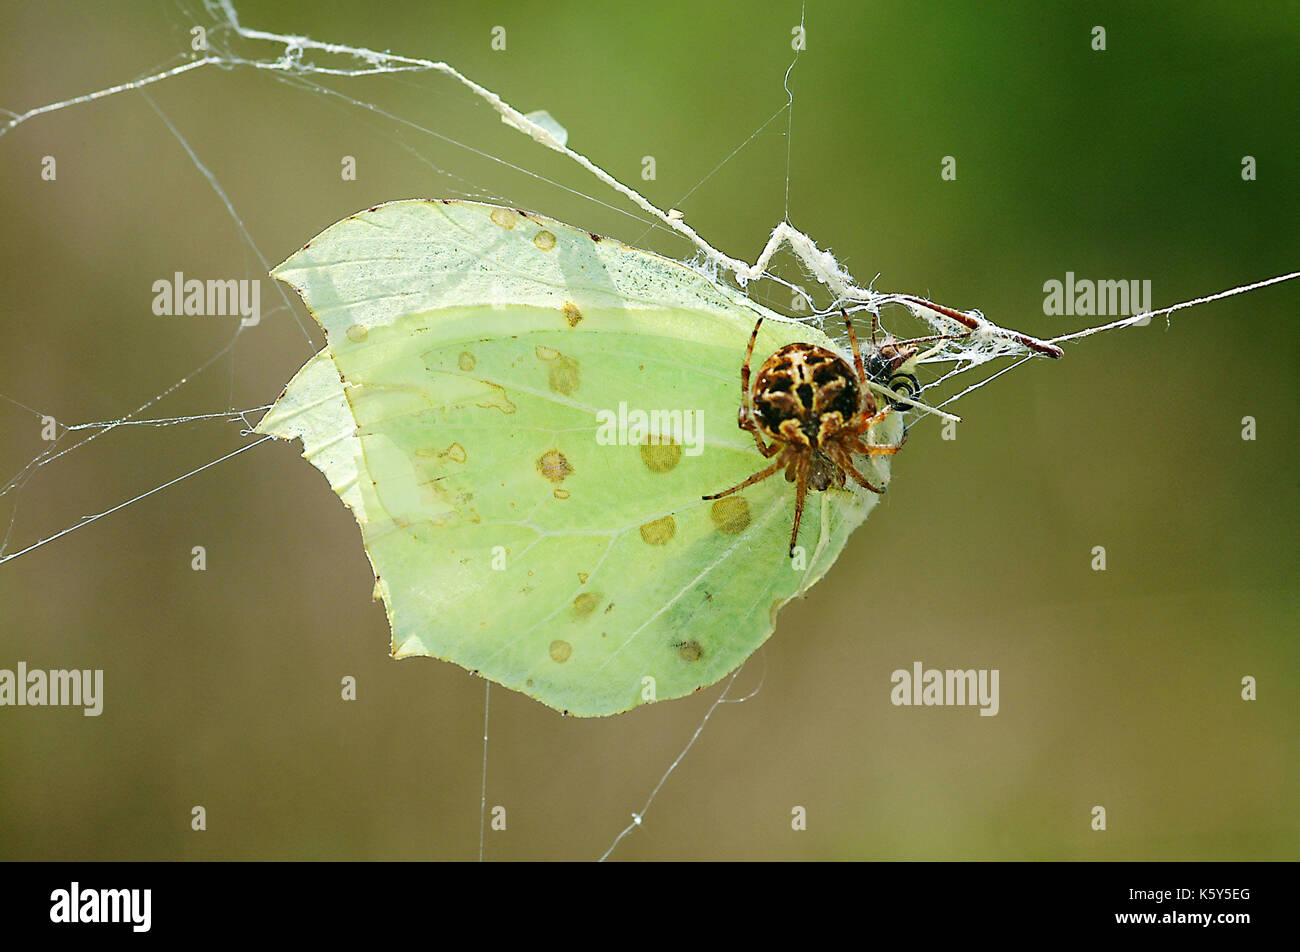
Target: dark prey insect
x=815, y=410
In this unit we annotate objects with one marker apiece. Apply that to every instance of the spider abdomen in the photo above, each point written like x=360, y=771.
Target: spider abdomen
x=804, y=393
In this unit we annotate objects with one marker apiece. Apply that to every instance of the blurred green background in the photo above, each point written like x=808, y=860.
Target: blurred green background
x=1119, y=688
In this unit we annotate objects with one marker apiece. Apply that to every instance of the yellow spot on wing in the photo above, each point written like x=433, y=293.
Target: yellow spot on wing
x=563, y=372
x=554, y=466
x=455, y=453
x=563, y=375
x=586, y=603
x=730, y=515
x=659, y=531
x=660, y=454
x=497, y=400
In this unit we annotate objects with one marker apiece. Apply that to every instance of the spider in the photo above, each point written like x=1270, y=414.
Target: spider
x=815, y=409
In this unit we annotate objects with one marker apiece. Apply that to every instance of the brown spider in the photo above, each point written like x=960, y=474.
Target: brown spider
x=815, y=409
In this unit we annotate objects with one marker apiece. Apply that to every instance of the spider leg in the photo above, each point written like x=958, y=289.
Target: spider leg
x=866, y=402
x=853, y=343
x=867, y=449
x=757, y=477
x=841, y=456
x=931, y=339
x=747, y=421
x=800, y=494
x=860, y=445
x=867, y=422
x=876, y=449
x=744, y=368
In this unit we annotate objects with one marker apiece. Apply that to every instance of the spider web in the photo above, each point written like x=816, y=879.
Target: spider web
x=345, y=79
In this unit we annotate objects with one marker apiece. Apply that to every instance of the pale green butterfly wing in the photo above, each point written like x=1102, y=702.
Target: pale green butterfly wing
x=467, y=409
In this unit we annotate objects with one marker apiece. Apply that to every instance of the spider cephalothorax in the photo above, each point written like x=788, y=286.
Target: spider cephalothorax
x=815, y=409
